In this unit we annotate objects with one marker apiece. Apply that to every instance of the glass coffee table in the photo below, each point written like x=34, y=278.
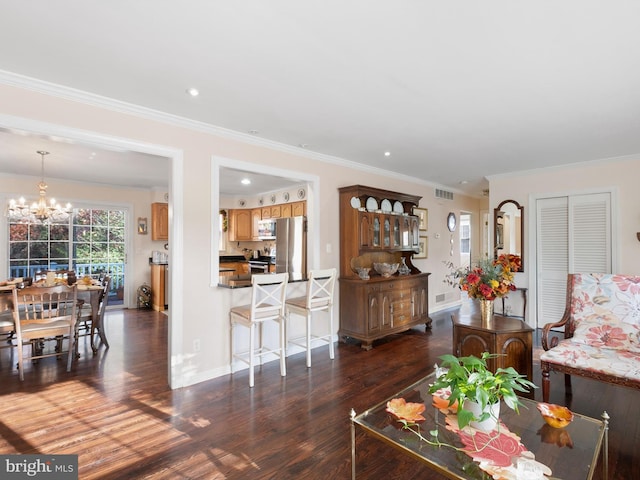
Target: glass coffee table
x=570, y=453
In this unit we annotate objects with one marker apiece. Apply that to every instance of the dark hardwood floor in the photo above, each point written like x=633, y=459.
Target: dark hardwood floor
x=117, y=413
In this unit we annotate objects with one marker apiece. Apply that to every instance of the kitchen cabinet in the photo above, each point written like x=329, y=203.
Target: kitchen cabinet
x=276, y=211
x=256, y=216
x=240, y=225
x=160, y=221
x=158, y=286
x=286, y=210
x=374, y=308
x=266, y=213
x=240, y=268
x=298, y=209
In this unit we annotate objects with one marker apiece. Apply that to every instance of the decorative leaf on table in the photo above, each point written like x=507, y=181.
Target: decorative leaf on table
x=441, y=401
x=494, y=447
x=407, y=411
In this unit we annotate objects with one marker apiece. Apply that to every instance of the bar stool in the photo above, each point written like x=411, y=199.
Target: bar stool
x=319, y=297
x=268, y=294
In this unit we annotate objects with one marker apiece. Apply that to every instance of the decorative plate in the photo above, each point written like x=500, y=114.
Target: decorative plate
x=242, y=203
x=273, y=199
x=372, y=204
x=301, y=193
x=355, y=202
x=261, y=201
x=386, y=206
x=397, y=207
x=285, y=196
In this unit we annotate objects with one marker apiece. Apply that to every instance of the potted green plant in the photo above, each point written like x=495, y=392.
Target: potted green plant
x=470, y=381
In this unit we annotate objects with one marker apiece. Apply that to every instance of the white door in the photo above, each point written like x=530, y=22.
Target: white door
x=573, y=235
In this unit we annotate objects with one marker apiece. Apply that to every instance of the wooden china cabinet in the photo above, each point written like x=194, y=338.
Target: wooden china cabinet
x=379, y=226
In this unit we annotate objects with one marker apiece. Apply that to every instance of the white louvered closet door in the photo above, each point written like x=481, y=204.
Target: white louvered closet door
x=573, y=236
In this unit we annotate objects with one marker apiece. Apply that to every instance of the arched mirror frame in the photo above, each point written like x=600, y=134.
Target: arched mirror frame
x=496, y=215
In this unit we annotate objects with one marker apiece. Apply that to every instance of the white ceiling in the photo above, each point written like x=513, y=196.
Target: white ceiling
x=455, y=90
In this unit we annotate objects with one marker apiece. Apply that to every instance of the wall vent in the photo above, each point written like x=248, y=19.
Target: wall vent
x=440, y=298
x=444, y=194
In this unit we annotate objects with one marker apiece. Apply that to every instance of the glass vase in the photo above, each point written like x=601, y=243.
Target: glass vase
x=403, y=269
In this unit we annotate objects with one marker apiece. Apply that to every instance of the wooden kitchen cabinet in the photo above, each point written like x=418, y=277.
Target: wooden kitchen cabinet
x=286, y=210
x=266, y=213
x=298, y=209
x=374, y=308
x=160, y=221
x=240, y=268
x=276, y=211
x=240, y=225
x=158, y=300
x=256, y=216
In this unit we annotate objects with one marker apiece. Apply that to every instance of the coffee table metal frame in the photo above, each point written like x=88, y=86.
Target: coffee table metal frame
x=589, y=437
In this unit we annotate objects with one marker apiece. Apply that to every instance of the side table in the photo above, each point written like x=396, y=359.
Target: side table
x=510, y=337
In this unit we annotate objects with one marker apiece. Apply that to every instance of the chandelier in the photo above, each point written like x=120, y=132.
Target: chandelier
x=42, y=211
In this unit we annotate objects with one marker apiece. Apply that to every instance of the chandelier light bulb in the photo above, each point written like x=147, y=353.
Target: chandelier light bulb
x=40, y=211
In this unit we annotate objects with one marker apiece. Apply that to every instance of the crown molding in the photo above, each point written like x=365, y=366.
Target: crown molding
x=87, y=98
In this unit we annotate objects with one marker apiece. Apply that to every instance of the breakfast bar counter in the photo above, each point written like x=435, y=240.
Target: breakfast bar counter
x=242, y=281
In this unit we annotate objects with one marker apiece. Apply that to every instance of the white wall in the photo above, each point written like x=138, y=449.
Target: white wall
x=199, y=310
x=620, y=175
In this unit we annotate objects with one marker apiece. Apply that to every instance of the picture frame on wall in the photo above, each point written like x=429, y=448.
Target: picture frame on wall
x=423, y=247
x=423, y=218
x=142, y=226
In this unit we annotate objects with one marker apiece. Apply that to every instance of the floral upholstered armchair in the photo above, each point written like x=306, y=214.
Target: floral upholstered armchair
x=601, y=332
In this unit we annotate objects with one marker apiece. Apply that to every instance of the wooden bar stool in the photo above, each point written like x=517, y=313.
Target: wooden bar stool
x=319, y=298
x=268, y=294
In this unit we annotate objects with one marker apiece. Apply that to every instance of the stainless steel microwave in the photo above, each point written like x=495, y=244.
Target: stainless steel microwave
x=267, y=229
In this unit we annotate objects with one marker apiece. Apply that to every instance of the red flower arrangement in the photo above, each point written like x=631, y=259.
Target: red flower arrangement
x=489, y=279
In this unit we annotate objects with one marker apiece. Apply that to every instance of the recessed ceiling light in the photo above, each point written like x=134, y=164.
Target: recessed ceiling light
x=245, y=181
x=463, y=182
x=254, y=132
x=193, y=92
x=303, y=145
x=387, y=154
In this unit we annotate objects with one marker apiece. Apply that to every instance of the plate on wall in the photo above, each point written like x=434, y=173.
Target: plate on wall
x=397, y=207
x=372, y=204
x=355, y=202
x=385, y=206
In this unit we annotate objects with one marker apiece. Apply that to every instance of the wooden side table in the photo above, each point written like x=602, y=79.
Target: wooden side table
x=508, y=336
x=523, y=292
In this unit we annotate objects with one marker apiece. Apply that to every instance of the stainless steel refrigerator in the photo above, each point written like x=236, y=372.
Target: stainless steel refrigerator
x=291, y=247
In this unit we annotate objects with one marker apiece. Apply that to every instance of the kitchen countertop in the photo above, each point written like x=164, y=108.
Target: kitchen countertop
x=241, y=258
x=241, y=281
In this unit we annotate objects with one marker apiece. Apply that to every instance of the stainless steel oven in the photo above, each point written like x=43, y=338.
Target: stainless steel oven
x=258, y=266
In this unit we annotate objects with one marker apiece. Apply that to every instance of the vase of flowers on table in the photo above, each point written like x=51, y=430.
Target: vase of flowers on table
x=487, y=280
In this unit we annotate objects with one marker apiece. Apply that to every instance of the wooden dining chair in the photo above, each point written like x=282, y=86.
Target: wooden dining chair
x=42, y=314
x=86, y=325
x=7, y=328
x=268, y=294
x=319, y=297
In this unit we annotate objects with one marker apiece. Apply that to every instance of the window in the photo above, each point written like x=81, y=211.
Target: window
x=465, y=238
x=96, y=246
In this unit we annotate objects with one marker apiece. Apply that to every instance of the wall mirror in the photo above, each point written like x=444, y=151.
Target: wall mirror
x=508, y=230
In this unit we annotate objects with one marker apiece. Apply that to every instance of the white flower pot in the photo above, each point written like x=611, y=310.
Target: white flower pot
x=485, y=425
